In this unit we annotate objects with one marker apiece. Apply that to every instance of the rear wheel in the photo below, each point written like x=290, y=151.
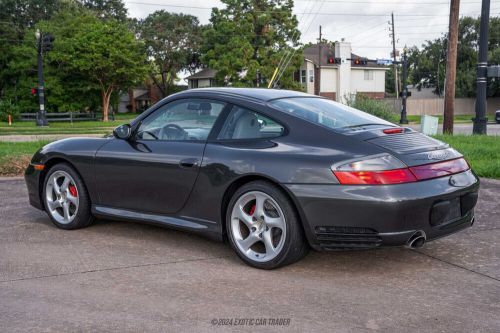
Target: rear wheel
x=263, y=227
x=65, y=198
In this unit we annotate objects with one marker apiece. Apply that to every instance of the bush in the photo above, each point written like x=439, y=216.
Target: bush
x=375, y=107
x=6, y=108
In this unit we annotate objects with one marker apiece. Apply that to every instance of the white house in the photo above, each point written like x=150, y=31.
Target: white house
x=338, y=80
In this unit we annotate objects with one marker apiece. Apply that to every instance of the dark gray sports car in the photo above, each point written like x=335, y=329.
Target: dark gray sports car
x=275, y=172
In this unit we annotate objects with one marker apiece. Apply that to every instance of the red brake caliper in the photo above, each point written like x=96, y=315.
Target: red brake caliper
x=252, y=210
x=72, y=190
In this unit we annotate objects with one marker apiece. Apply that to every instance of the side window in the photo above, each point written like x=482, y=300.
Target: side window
x=246, y=124
x=187, y=119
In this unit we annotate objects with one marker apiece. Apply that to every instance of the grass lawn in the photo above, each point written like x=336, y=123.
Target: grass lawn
x=15, y=156
x=77, y=127
x=482, y=152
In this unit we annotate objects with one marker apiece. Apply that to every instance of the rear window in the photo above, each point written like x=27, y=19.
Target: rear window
x=326, y=112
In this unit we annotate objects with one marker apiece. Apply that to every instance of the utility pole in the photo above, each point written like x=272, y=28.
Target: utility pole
x=451, y=68
x=437, y=84
x=396, y=88
x=480, y=120
x=41, y=117
x=318, y=76
x=404, y=90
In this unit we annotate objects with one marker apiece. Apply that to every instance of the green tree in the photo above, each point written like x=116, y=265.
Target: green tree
x=105, y=55
x=16, y=16
x=107, y=9
x=173, y=43
x=428, y=63
x=248, y=39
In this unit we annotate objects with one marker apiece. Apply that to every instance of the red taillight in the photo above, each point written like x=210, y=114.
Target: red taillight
x=393, y=130
x=397, y=176
x=385, y=169
x=440, y=169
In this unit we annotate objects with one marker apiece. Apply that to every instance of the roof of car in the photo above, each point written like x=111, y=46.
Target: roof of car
x=255, y=93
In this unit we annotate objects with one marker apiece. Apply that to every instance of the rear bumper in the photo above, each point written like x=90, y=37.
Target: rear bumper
x=358, y=217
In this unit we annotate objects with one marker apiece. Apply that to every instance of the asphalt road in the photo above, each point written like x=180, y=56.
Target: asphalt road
x=125, y=277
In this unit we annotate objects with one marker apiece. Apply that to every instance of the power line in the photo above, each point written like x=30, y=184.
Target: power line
x=406, y=3
x=302, y=13
x=294, y=51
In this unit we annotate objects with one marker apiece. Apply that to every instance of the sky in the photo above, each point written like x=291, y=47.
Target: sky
x=364, y=23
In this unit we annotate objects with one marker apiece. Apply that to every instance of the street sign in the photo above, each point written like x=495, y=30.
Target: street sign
x=494, y=71
x=384, y=62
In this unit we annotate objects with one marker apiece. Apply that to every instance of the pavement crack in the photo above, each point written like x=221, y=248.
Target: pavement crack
x=113, y=269
x=458, y=266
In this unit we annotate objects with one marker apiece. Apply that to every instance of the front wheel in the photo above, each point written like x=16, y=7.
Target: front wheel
x=263, y=227
x=65, y=198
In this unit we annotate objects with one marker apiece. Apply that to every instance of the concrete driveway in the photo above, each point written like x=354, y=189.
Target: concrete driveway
x=126, y=277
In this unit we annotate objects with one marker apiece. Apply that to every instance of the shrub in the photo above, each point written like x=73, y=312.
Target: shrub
x=375, y=107
x=6, y=108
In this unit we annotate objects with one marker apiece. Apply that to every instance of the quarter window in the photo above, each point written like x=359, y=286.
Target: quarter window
x=246, y=124
x=187, y=119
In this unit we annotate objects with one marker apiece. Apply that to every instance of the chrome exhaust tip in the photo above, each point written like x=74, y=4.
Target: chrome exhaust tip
x=417, y=240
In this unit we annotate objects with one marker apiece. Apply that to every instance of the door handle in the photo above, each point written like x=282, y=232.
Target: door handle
x=189, y=163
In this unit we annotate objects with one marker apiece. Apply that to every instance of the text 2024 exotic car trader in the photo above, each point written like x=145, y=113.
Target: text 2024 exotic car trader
x=275, y=172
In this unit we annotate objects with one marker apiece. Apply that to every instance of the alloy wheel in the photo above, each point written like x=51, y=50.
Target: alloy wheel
x=258, y=226
x=61, y=196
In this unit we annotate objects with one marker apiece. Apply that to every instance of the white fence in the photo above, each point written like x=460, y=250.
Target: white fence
x=435, y=106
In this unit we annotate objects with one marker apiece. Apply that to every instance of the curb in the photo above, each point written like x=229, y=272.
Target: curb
x=15, y=178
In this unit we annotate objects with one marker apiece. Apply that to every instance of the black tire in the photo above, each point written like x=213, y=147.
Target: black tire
x=83, y=217
x=295, y=246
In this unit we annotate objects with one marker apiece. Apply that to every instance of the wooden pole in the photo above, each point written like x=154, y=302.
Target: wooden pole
x=451, y=68
x=318, y=76
x=396, y=85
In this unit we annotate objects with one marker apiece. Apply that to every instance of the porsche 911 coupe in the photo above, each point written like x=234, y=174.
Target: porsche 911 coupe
x=274, y=172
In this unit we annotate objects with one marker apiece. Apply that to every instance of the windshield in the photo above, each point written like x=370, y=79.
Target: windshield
x=327, y=113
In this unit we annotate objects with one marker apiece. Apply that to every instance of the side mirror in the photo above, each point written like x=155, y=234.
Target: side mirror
x=122, y=132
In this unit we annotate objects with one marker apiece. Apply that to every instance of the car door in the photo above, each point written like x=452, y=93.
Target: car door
x=156, y=169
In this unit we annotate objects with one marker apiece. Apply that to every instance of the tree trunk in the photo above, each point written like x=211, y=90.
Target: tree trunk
x=106, y=95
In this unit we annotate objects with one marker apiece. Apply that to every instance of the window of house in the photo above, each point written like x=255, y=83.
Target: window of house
x=246, y=124
x=311, y=75
x=368, y=74
x=303, y=76
x=194, y=83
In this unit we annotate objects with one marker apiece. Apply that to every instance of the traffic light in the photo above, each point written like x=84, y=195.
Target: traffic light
x=34, y=91
x=332, y=60
x=359, y=61
x=47, y=41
